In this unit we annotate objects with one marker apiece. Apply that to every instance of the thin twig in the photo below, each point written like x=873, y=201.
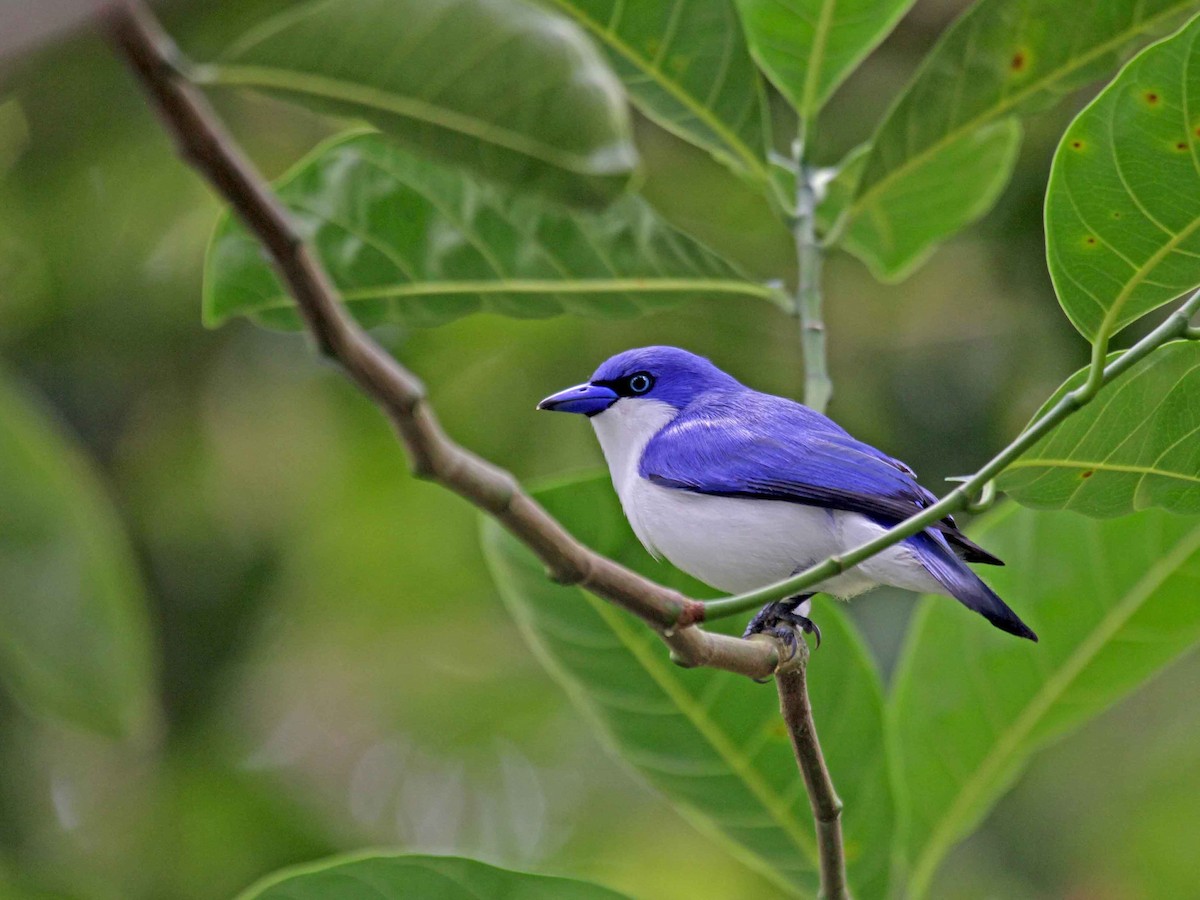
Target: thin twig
x=204, y=144
x=791, y=682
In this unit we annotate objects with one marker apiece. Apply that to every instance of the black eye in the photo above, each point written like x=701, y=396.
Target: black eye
x=641, y=382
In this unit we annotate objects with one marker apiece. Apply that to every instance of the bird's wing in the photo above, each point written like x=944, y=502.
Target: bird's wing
x=747, y=444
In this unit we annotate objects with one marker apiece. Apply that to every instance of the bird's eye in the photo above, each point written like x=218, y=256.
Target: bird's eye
x=640, y=383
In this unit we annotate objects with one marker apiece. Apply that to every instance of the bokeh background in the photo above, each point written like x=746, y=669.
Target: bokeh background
x=335, y=668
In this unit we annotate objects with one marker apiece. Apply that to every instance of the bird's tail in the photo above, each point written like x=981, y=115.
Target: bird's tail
x=965, y=586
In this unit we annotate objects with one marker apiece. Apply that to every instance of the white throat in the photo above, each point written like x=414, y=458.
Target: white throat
x=623, y=430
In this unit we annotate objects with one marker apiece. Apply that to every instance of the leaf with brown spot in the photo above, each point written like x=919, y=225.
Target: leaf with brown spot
x=943, y=154
x=1135, y=193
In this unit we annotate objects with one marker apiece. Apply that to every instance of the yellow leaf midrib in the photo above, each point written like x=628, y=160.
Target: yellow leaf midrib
x=746, y=156
x=1132, y=468
x=283, y=79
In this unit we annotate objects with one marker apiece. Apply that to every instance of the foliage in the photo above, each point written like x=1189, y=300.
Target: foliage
x=74, y=633
x=1122, y=243
x=941, y=156
x=560, y=176
x=710, y=740
x=538, y=108
x=968, y=707
x=1081, y=466
x=435, y=877
x=687, y=67
x=808, y=48
x=408, y=240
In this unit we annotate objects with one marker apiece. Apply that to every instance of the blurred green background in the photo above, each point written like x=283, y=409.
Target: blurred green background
x=335, y=668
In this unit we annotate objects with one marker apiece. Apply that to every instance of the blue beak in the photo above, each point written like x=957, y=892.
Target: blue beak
x=588, y=399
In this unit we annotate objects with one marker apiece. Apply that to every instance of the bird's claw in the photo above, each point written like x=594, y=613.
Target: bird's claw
x=805, y=624
x=783, y=613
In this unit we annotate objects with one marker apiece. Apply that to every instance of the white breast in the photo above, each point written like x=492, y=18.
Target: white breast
x=623, y=430
x=737, y=544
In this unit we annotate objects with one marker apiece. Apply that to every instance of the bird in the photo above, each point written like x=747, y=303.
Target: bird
x=741, y=489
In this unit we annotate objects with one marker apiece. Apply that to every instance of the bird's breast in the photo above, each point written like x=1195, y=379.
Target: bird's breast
x=623, y=430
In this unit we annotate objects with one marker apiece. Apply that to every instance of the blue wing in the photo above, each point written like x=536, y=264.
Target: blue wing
x=748, y=444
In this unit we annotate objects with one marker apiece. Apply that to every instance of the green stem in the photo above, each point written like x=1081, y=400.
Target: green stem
x=1176, y=326
x=791, y=680
x=792, y=684
x=818, y=387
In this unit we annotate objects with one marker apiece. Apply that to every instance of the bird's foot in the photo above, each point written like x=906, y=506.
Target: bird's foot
x=780, y=619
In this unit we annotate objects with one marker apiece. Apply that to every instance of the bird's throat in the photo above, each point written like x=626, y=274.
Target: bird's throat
x=623, y=430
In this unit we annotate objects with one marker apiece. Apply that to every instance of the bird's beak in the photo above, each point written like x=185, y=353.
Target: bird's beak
x=588, y=399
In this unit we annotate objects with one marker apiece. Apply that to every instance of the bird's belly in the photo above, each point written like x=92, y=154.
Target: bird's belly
x=732, y=543
x=737, y=544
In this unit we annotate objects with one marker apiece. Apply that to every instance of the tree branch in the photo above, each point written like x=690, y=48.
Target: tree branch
x=791, y=683
x=204, y=144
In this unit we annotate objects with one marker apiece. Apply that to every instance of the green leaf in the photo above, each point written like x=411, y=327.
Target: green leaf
x=1114, y=601
x=74, y=631
x=514, y=91
x=1002, y=58
x=809, y=47
x=1132, y=447
x=404, y=877
x=686, y=66
x=1123, y=204
x=937, y=198
x=714, y=743
x=406, y=239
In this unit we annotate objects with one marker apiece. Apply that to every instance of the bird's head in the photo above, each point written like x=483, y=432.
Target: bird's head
x=664, y=375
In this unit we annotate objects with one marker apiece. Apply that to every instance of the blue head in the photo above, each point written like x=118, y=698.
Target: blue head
x=666, y=374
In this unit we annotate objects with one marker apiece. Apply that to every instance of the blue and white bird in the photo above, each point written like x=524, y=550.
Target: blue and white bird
x=741, y=489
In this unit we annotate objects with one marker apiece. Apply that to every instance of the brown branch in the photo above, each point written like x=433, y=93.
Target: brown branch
x=790, y=681
x=204, y=144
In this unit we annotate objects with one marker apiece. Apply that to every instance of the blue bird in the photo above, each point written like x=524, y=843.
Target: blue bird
x=741, y=489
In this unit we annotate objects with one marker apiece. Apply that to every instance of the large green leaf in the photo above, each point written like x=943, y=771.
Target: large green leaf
x=1114, y=601
x=515, y=91
x=941, y=156
x=937, y=198
x=74, y=633
x=808, y=47
x=403, y=877
x=1134, y=446
x=1123, y=204
x=686, y=66
x=404, y=238
x=713, y=742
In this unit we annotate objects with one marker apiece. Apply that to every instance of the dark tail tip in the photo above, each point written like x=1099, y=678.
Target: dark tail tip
x=1010, y=623
x=976, y=595
x=967, y=587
